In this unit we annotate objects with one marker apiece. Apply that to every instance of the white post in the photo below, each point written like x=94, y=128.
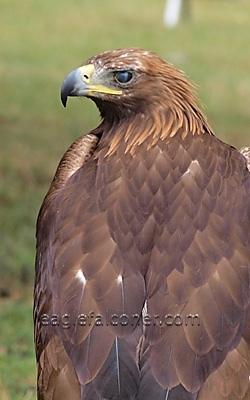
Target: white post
x=172, y=13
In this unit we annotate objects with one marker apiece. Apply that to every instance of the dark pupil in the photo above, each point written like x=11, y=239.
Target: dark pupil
x=124, y=77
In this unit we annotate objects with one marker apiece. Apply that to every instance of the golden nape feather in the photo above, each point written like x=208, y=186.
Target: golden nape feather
x=142, y=285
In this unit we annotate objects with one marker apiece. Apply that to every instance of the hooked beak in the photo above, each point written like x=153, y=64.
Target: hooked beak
x=83, y=82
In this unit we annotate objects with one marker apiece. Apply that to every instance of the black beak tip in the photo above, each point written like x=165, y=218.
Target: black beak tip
x=64, y=99
x=68, y=87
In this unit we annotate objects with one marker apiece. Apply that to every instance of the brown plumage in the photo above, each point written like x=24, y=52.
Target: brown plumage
x=143, y=257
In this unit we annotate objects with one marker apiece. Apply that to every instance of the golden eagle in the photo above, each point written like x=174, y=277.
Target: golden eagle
x=142, y=285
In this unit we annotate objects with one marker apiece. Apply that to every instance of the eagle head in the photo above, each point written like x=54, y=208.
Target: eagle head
x=129, y=81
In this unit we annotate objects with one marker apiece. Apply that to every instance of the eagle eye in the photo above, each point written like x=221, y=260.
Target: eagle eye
x=123, y=76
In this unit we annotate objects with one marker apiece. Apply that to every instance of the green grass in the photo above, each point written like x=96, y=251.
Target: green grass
x=40, y=42
x=17, y=360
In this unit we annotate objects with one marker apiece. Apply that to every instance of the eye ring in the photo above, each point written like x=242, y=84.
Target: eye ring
x=123, y=77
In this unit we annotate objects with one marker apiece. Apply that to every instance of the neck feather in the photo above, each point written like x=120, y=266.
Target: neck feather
x=161, y=124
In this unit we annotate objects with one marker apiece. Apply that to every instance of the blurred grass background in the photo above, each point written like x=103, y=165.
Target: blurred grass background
x=40, y=42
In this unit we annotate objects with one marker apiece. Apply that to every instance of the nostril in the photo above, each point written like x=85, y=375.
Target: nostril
x=86, y=77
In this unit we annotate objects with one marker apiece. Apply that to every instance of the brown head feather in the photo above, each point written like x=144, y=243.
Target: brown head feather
x=159, y=103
